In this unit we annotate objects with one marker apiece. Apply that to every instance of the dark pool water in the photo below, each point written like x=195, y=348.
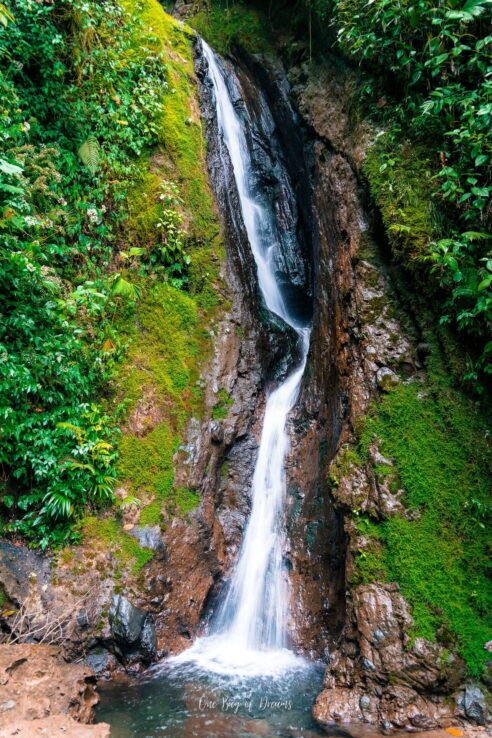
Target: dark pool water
x=184, y=702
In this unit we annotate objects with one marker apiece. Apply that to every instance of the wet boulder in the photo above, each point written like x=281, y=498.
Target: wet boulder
x=474, y=704
x=133, y=632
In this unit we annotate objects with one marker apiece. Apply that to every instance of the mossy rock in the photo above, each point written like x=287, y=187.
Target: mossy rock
x=400, y=179
x=438, y=552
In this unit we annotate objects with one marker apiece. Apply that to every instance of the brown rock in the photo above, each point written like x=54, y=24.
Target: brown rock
x=38, y=687
x=386, y=678
x=55, y=726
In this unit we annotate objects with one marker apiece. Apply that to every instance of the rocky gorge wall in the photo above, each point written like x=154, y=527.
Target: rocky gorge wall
x=363, y=345
x=365, y=342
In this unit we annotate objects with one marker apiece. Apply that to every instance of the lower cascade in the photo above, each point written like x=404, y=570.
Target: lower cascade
x=248, y=634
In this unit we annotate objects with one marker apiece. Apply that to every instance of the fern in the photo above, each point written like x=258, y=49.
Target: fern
x=89, y=154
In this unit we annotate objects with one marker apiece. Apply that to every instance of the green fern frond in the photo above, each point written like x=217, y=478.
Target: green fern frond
x=89, y=153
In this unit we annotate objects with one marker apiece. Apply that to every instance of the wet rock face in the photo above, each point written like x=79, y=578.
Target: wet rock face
x=316, y=549
x=378, y=675
x=278, y=171
x=327, y=194
x=40, y=690
x=252, y=350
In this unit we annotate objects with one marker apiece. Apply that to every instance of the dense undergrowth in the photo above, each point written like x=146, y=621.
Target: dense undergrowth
x=108, y=230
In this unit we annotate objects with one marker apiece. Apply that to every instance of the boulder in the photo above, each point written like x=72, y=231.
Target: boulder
x=386, y=379
x=474, y=704
x=133, y=631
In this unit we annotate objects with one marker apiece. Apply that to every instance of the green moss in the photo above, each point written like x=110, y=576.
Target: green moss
x=168, y=344
x=180, y=155
x=108, y=533
x=225, y=24
x=3, y=597
x=224, y=469
x=186, y=500
x=370, y=558
x=439, y=441
x=346, y=460
x=370, y=564
x=221, y=408
x=400, y=179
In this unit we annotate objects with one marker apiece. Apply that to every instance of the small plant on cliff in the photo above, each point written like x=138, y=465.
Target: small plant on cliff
x=170, y=251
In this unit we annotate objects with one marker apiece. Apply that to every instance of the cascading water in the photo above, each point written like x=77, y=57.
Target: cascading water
x=249, y=633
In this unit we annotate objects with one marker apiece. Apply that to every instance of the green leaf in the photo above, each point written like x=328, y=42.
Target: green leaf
x=476, y=235
x=6, y=16
x=475, y=7
x=485, y=284
x=11, y=189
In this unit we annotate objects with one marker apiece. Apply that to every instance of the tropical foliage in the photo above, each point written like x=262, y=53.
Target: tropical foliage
x=78, y=109
x=431, y=89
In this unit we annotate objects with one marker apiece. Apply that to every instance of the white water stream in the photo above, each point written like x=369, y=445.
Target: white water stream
x=249, y=633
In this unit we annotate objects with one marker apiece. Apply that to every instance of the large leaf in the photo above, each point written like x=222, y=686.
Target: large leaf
x=8, y=168
x=89, y=153
x=123, y=288
x=6, y=16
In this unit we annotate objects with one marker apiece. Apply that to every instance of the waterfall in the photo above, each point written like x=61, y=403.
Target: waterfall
x=249, y=632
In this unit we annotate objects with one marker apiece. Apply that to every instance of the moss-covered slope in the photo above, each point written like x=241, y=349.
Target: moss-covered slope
x=167, y=334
